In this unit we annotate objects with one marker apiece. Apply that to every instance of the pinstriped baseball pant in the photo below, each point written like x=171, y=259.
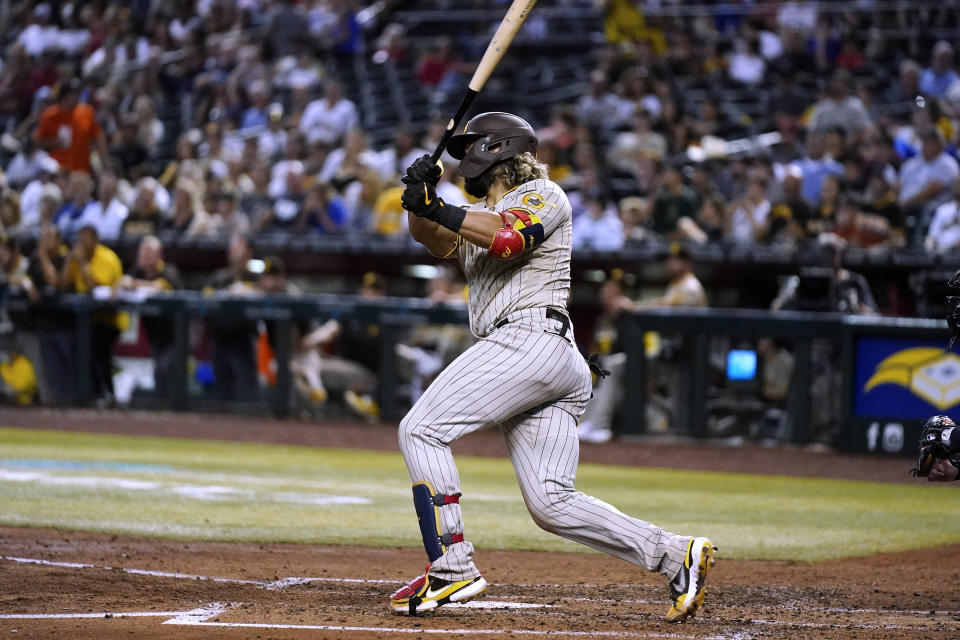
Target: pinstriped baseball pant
x=533, y=385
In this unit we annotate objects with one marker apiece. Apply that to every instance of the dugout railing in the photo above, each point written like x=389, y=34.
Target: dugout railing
x=392, y=317
x=862, y=425
x=860, y=428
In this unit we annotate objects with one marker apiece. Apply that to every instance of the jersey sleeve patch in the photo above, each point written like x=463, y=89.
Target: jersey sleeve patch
x=534, y=201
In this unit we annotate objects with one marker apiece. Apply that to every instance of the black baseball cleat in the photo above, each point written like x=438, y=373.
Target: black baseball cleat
x=427, y=592
x=688, y=588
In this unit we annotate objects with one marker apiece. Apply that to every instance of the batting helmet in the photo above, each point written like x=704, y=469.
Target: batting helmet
x=498, y=136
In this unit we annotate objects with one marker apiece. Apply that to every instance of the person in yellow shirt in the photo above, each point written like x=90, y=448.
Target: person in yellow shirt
x=90, y=266
x=389, y=218
x=19, y=377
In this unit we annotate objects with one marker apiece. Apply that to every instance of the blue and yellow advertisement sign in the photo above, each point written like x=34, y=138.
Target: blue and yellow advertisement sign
x=911, y=379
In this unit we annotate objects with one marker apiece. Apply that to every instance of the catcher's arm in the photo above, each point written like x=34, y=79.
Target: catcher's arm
x=939, y=457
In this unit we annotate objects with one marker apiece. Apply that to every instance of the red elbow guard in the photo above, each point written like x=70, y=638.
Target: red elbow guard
x=507, y=242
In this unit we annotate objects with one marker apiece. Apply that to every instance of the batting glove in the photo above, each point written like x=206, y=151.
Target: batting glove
x=423, y=170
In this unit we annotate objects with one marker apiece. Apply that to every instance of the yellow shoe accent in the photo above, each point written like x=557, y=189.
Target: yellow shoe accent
x=364, y=405
x=318, y=396
x=697, y=562
x=427, y=592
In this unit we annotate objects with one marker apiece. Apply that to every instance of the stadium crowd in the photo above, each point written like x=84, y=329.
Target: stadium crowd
x=259, y=136
x=208, y=118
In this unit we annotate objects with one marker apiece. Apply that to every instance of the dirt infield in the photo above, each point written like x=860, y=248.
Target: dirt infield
x=889, y=596
x=171, y=589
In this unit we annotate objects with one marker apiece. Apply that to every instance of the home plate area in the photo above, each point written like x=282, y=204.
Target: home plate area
x=83, y=585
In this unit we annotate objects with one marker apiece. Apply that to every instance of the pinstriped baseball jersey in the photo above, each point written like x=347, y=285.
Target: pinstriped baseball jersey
x=527, y=378
x=538, y=279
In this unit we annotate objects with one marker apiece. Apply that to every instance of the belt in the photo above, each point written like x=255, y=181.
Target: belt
x=552, y=314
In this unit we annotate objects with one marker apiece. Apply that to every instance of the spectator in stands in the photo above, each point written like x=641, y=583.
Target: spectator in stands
x=55, y=329
x=227, y=218
x=599, y=229
x=128, y=150
x=31, y=195
x=272, y=139
x=437, y=63
x=360, y=197
x=799, y=16
x=256, y=115
x=18, y=380
x=824, y=214
x=27, y=165
x=345, y=164
x=149, y=128
x=293, y=160
x=389, y=217
x=710, y=224
x=839, y=109
x=790, y=213
x=324, y=211
x=330, y=117
x=600, y=108
x=234, y=358
x=106, y=213
x=257, y=202
x=70, y=218
x=91, y=265
x=68, y=130
x=14, y=81
x=750, y=216
x=393, y=161
x=634, y=214
x=937, y=80
x=641, y=142
x=746, y=65
x=926, y=181
x=13, y=264
x=151, y=275
x=287, y=29
x=40, y=35
x=9, y=210
x=146, y=215
x=816, y=166
x=907, y=87
x=188, y=218
x=673, y=201
x=944, y=233
x=287, y=211
x=850, y=56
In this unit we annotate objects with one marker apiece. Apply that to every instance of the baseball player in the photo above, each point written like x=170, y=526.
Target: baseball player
x=524, y=375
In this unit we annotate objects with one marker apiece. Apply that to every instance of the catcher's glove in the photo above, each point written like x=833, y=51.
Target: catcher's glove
x=934, y=444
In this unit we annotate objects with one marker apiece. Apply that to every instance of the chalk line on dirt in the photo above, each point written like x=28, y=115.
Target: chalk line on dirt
x=293, y=581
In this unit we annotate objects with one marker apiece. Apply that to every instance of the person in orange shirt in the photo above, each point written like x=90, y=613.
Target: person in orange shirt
x=68, y=130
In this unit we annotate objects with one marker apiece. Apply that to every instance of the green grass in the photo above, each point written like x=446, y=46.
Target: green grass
x=205, y=490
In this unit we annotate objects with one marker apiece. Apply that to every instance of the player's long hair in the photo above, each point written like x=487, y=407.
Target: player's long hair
x=511, y=173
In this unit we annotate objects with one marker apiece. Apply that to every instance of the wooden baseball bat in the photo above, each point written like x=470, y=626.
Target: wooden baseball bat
x=511, y=23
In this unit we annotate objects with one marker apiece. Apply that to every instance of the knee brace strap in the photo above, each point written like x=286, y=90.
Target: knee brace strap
x=427, y=504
